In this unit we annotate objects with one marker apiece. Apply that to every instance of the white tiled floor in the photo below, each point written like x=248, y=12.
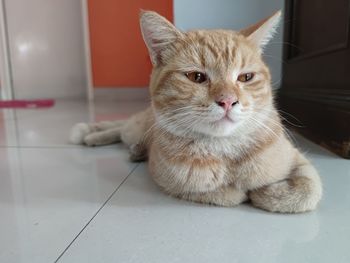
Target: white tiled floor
x=75, y=204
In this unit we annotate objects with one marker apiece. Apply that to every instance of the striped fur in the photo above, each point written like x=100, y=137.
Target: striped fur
x=196, y=153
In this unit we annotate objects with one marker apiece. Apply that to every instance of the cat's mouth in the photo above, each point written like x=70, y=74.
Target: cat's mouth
x=225, y=119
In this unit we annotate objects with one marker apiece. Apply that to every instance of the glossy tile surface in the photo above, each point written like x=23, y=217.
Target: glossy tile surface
x=48, y=194
x=140, y=224
x=50, y=127
x=90, y=204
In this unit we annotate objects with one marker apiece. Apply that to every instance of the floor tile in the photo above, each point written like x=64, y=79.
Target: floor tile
x=141, y=224
x=50, y=127
x=50, y=190
x=48, y=195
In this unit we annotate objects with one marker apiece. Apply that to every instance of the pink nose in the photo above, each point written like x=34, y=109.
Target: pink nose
x=227, y=102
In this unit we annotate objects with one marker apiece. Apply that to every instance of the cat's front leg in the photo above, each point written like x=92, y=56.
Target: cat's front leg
x=300, y=192
x=103, y=137
x=224, y=196
x=97, y=133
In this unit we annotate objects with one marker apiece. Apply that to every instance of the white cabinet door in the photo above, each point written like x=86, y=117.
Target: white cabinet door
x=46, y=48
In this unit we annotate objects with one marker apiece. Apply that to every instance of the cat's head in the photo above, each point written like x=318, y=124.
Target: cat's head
x=208, y=81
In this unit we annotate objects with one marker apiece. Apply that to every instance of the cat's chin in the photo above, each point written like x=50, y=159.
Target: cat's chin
x=220, y=128
x=224, y=127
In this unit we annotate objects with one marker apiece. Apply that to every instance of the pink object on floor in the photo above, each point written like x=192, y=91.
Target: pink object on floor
x=46, y=103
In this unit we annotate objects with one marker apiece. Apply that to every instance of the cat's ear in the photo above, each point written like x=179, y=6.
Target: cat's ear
x=261, y=32
x=157, y=33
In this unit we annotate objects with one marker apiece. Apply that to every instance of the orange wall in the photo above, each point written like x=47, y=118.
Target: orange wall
x=119, y=56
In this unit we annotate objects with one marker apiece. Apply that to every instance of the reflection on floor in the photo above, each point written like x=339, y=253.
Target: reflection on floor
x=75, y=204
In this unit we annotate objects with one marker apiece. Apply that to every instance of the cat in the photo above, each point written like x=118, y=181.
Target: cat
x=212, y=134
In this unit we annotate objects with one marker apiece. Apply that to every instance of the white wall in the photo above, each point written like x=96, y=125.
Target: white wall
x=46, y=48
x=232, y=14
x=5, y=74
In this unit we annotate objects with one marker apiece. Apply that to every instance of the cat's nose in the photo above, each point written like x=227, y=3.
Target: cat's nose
x=227, y=102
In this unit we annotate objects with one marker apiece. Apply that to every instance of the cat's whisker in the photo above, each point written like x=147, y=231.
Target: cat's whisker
x=287, y=132
x=264, y=126
x=295, y=118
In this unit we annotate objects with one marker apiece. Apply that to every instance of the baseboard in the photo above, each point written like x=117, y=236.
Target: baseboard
x=122, y=94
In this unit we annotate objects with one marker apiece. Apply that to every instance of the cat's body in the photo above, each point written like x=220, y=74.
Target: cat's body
x=208, y=137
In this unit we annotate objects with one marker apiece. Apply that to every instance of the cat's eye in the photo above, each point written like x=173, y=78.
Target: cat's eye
x=197, y=77
x=245, y=77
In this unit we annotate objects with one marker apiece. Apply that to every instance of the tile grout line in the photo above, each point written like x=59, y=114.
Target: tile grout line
x=96, y=213
x=50, y=147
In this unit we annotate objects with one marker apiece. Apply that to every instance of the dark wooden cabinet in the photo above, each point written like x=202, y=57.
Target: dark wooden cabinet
x=316, y=74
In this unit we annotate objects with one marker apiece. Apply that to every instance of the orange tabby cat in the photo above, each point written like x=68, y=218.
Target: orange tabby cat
x=212, y=134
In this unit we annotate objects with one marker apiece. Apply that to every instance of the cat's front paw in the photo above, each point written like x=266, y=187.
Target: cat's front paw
x=78, y=132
